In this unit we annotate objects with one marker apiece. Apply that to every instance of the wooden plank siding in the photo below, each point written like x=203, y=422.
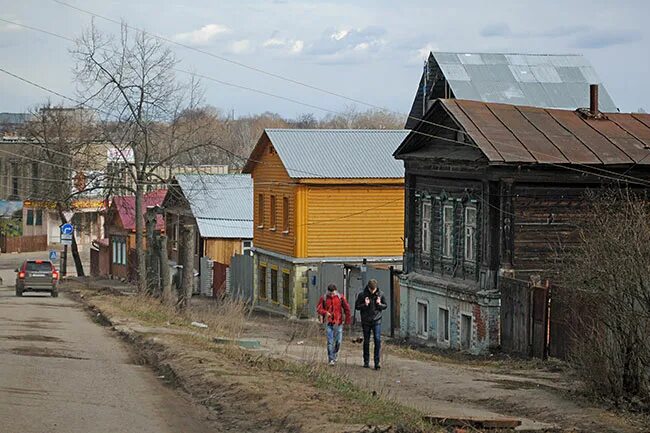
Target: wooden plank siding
x=270, y=178
x=546, y=223
x=354, y=221
x=222, y=250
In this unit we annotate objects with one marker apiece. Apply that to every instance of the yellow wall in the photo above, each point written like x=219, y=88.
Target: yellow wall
x=354, y=221
x=222, y=250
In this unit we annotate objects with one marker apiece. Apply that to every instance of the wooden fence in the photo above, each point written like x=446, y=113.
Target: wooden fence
x=23, y=244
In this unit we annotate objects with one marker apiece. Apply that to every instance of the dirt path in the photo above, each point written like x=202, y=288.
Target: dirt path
x=60, y=372
x=540, y=399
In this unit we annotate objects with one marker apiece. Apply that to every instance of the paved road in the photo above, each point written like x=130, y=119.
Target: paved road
x=60, y=372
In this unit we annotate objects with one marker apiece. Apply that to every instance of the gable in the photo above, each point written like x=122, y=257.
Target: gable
x=264, y=161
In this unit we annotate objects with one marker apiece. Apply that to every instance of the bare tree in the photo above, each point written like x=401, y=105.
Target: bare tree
x=606, y=291
x=131, y=82
x=62, y=153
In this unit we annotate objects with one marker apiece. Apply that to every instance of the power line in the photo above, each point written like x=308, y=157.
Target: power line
x=624, y=175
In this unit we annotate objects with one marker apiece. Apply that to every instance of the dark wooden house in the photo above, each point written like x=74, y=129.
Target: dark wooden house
x=493, y=192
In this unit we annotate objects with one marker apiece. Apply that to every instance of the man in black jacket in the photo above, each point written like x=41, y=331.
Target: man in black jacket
x=371, y=303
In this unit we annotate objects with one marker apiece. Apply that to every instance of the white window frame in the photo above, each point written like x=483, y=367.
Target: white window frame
x=470, y=234
x=123, y=248
x=418, y=319
x=447, y=232
x=443, y=332
x=425, y=225
x=114, y=249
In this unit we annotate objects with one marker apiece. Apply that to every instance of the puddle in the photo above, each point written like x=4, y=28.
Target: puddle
x=32, y=337
x=43, y=352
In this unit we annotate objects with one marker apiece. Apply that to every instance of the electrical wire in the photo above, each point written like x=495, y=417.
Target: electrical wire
x=624, y=175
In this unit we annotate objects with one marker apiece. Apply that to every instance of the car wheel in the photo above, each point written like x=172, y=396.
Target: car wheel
x=55, y=293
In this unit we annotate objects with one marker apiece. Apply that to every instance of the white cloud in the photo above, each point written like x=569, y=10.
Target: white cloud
x=341, y=34
x=291, y=46
x=203, y=35
x=423, y=53
x=240, y=47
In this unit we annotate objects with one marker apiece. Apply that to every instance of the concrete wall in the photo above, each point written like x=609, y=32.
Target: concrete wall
x=295, y=304
x=482, y=308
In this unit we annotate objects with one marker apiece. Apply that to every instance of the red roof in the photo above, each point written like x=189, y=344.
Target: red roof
x=125, y=206
x=511, y=133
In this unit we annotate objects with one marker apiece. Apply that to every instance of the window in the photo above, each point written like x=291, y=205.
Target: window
x=14, y=184
x=285, y=214
x=443, y=324
x=39, y=218
x=286, y=293
x=246, y=247
x=447, y=230
x=30, y=217
x=119, y=251
x=262, y=276
x=470, y=234
x=273, y=213
x=423, y=319
x=174, y=231
x=426, y=231
x=260, y=210
x=465, y=331
x=274, y=285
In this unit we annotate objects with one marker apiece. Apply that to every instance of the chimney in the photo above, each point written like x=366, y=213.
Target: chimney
x=593, y=99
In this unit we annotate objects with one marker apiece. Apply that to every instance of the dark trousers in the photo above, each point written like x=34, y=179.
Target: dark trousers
x=376, y=333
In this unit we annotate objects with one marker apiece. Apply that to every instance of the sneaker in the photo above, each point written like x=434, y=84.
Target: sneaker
x=332, y=362
x=377, y=367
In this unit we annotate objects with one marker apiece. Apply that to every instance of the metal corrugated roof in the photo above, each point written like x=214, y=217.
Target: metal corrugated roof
x=563, y=79
x=221, y=203
x=339, y=153
x=510, y=133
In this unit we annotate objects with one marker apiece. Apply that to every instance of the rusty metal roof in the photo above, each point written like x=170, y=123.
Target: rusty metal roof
x=513, y=133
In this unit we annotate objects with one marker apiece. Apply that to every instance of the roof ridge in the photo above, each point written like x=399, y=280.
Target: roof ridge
x=510, y=54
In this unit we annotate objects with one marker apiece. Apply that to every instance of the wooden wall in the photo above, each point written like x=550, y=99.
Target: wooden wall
x=270, y=178
x=221, y=250
x=354, y=220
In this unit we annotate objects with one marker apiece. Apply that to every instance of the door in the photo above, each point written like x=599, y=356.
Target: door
x=465, y=331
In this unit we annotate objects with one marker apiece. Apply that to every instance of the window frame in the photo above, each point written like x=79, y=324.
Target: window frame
x=286, y=288
x=443, y=333
x=260, y=210
x=274, y=284
x=447, y=241
x=30, y=217
x=470, y=238
x=418, y=319
x=262, y=294
x=274, y=216
x=285, y=214
x=38, y=217
x=425, y=228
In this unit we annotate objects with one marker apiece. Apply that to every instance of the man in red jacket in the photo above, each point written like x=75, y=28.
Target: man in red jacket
x=331, y=307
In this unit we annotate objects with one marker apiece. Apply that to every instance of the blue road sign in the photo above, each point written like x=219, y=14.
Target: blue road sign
x=53, y=255
x=67, y=229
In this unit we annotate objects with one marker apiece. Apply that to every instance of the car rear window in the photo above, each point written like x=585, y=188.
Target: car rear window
x=39, y=267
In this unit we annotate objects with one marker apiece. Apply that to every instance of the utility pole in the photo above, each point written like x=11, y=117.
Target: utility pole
x=165, y=274
x=186, y=251
x=151, y=259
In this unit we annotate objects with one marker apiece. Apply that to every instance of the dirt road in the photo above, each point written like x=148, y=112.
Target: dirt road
x=60, y=372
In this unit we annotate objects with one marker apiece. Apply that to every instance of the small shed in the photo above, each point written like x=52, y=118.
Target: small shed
x=221, y=208
x=120, y=230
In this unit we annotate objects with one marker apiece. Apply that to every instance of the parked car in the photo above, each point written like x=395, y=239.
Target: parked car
x=37, y=276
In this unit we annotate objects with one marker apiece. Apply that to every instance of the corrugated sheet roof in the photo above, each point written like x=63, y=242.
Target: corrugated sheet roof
x=536, y=80
x=509, y=133
x=221, y=203
x=339, y=153
x=562, y=80
x=125, y=206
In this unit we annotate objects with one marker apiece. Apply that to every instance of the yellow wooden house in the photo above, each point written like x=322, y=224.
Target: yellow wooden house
x=322, y=196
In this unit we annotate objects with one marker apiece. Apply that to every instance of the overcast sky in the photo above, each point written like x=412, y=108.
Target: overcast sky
x=367, y=50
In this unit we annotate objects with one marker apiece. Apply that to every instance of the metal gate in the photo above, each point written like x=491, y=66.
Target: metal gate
x=241, y=277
